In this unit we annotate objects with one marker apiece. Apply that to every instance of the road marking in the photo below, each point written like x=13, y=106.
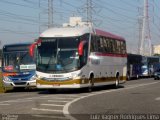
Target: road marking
x=53, y=105
x=63, y=98
x=10, y=101
x=157, y=98
x=55, y=117
x=49, y=110
x=57, y=101
x=23, y=99
x=57, y=98
x=4, y=104
x=68, y=95
x=20, y=101
x=66, y=107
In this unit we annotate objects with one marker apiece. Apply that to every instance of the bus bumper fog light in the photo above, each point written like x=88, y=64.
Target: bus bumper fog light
x=82, y=81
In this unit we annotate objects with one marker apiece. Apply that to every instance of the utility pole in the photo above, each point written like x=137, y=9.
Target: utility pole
x=89, y=11
x=39, y=16
x=140, y=21
x=50, y=13
x=145, y=47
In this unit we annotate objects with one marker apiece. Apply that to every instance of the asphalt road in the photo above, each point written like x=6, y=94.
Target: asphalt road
x=134, y=97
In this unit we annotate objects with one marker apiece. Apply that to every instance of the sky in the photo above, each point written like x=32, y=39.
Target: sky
x=24, y=20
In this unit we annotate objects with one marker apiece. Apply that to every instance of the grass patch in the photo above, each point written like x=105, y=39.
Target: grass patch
x=1, y=84
x=2, y=89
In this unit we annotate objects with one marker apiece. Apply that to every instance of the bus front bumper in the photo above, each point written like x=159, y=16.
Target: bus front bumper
x=20, y=84
x=61, y=86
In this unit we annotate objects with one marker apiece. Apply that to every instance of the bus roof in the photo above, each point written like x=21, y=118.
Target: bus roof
x=65, y=32
x=76, y=31
x=109, y=35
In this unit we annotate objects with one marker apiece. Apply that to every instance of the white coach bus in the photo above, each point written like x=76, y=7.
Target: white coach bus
x=77, y=57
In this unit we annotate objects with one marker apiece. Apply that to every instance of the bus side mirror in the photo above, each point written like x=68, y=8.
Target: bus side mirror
x=81, y=47
x=31, y=50
x=32, y=47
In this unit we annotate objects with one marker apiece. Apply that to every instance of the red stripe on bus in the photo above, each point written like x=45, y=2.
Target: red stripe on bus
x=112, y=55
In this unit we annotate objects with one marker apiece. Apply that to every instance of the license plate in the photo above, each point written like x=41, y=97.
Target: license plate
x=55, y=84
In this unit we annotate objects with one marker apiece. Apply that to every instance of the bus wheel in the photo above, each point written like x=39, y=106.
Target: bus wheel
x=128, y=77
x=91, y=84
x=117, y=82
x=137, y=76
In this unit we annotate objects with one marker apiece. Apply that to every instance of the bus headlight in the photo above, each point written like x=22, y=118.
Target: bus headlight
x=33, y=78
x=74, y=75
x=6, y=79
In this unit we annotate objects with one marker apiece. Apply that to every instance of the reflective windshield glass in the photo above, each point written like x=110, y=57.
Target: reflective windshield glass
x=17, y=61
x=58, y=54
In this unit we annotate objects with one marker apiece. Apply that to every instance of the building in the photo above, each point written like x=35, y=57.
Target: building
x=156, y=49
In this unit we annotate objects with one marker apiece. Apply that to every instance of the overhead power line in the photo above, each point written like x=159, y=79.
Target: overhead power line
x=114, y=12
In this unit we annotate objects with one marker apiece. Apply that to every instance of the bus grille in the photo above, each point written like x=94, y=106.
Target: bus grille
x=20, y=83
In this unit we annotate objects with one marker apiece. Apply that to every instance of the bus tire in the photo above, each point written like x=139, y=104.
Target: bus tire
x=117, y=81
x=128, y=77
x=91, y=84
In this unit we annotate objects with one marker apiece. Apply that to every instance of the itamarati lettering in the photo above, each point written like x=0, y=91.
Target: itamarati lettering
x=27, y=67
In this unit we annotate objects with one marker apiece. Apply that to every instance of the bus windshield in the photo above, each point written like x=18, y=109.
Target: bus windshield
x=19, y=61
x=58, y=55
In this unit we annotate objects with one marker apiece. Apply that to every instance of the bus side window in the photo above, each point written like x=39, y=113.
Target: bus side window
x=100, y=44
x=114, y=46
x=105, y=42
x=108, y=45
x=125, y=51
x=111, y=45
x=118, y=47
x=123, y=47
x=93, y=44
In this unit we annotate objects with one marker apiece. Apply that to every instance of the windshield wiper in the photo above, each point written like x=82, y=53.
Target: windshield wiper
x=22, y=57
x=46, y=67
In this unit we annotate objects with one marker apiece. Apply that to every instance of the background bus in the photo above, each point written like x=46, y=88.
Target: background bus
x=150, y=65
x=134, y=66
x=77, y=57
x=18, y=67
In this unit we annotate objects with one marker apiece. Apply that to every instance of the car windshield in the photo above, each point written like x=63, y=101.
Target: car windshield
x=58, y=55
x=18, y=61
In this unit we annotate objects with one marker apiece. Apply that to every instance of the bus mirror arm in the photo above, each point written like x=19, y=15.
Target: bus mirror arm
x=81, y=47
